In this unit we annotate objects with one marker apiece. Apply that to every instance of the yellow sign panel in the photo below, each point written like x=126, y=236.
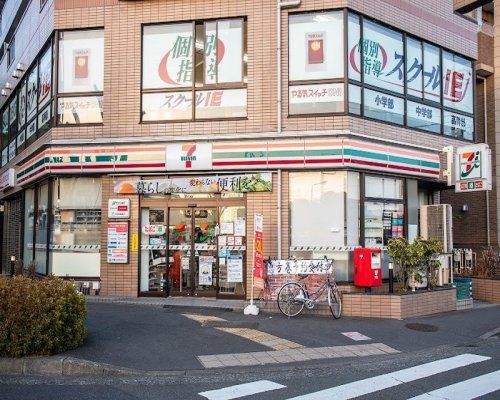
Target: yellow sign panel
x=135, y=242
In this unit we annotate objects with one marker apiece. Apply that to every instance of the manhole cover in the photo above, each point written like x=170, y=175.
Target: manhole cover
x=422, y=327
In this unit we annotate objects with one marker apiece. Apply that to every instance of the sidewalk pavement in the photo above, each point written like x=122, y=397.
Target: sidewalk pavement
x=198, y=302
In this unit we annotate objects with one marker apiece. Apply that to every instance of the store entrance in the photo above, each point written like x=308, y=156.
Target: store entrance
x=192, y=250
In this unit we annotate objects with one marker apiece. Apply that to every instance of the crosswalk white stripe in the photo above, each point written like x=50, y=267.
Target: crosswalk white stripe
x=381, y=382
x=245, y=389
x=466, y=390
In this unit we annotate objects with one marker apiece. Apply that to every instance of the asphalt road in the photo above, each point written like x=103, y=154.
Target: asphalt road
x=176, y=338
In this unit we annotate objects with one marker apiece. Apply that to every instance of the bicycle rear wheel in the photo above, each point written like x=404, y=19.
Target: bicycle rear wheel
x=287, y=299
x=335, y=302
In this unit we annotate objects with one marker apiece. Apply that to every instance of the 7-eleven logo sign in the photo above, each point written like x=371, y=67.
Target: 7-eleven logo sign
x=189, y=157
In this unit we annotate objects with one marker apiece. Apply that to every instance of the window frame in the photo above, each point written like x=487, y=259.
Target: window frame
x=423, y=101
x=361, y=83
x=55, y=84
x=193, y=88
x=302, y=82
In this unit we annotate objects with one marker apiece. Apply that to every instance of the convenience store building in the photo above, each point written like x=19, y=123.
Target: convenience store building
x=131, y=158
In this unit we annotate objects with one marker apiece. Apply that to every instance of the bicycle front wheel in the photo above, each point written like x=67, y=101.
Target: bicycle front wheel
x=290, y=299
x=335, y=302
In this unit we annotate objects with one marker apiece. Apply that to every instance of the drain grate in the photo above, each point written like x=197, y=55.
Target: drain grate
x=422, y=327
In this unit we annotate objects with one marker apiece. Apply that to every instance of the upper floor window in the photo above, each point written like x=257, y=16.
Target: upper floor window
x=80, y=77
x=194, y=70
x=316, y=70
x=11, y=55
x=391, y=76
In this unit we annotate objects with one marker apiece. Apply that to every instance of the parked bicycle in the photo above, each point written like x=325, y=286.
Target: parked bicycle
x=293, y=296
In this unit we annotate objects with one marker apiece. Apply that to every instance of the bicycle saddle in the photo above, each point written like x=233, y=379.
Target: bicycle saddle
x=302, y=276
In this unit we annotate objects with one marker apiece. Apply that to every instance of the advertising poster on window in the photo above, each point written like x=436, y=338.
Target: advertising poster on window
x=81, y=61
x=12, y=150
x=167, y=56
x=321, y=98
x=383, y=57
x=316, y=46
x=230, y=55
x=117, y=243
x=45, y=76
x=21, y=138
x=384, y=107
x=5, y=122
x=432, y=73
x=205, y=270
x=258, y=259
x=31, y=129
x=5, y=156
x=423, y=117
x=459, y=126
x=32, y=93
x=234, y=269
x=80, y=110
x=221, y=104
x=169, y=106
x=13, y=111
x=457, y=83
x=22, y=105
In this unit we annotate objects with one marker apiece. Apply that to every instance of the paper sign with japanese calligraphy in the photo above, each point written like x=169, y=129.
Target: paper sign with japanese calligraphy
x=473, y=168
x=167, y=56
x=327, y=98
x=316, y=46
x=261, y=182
x=383, y=57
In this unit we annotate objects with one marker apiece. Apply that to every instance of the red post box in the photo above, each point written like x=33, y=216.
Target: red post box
x=367, y=267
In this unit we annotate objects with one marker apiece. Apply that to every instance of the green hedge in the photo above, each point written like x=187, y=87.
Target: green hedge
x=40, y=317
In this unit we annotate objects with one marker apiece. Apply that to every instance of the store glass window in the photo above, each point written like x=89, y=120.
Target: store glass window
x=383, y=209
x=354, y=99
x=76, y=230
x=29, y=224
x=384, y=107
x=458, y=83
x=383, y=57
x=80, y=77
x=194, y=70
x=41, y=228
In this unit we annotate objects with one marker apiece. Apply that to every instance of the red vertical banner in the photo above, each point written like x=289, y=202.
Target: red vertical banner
x=258, y=259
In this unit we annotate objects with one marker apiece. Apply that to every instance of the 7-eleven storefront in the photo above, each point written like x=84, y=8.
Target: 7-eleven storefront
x=149, y=219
